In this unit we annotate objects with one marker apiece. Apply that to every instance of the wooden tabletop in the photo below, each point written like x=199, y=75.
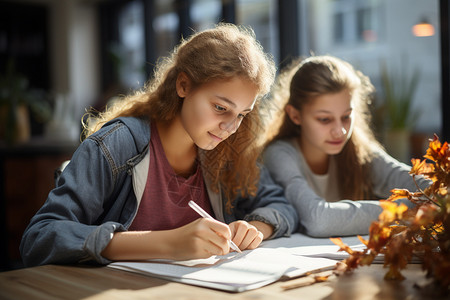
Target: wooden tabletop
x=86, y=282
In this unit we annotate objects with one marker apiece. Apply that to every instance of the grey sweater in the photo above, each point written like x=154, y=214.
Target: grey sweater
x=322, y=216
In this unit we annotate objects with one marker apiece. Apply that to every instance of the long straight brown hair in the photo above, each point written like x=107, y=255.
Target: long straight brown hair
x=221, y=53
x=304, y=80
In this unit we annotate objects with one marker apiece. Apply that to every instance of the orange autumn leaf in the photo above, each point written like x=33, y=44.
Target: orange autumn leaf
x=443, y=191
x=437, y=151
x=398, y=251
x=367, y=259
x=425, y=215
x=422, y=231
x=342, y=246
x=378, y=235
x=433, y=149
x=420, y=167
x=362, y=240
x=353, y=261
x=443, y=152
x=391, y=211
x=398, y=194
x=396, y=229
x=438, y=228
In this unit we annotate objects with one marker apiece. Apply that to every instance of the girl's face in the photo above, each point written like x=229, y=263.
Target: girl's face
x=326, y=123
x=214, y=110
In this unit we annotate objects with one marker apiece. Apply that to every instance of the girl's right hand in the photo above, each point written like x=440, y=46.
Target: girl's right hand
x=201, y=238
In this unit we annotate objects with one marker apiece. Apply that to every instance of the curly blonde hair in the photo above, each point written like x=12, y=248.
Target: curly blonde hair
x=304, y=80
x=220, y=53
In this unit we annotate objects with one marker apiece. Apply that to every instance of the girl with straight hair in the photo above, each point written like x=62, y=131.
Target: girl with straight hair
x=323, y=151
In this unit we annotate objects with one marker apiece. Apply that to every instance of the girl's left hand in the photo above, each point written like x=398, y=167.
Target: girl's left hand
x=246, y=235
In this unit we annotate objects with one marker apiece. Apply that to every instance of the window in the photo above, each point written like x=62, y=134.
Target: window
x=261, y=16
x=375, y=32
x=165, y=24
x=205, y=13
x=130, y=49
x=366, y=28
x=354, y=21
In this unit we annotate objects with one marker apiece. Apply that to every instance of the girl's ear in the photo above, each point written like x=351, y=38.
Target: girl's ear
x=183, y=84
x=293, y=114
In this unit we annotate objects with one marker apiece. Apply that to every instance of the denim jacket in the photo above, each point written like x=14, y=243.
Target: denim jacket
x=99, y=192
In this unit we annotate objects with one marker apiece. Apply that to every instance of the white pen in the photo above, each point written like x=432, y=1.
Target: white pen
x=204, y=214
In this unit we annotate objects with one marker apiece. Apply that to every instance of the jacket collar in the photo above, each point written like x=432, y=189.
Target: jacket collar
x=139, y=128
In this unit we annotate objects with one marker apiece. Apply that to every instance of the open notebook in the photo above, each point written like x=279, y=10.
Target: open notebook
x=300, y=244
x=237, y=272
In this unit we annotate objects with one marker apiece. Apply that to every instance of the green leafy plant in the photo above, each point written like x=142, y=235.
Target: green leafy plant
x=15, y=92
x=399, y=90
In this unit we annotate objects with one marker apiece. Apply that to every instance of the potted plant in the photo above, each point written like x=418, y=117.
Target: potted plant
x=398, y=111
x=17, y=99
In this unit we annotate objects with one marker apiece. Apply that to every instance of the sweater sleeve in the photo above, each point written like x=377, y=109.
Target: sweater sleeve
x=317, y=217
x=388, y=173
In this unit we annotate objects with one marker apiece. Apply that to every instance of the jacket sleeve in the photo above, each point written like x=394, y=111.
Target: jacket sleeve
x=68, y=228
x=269, y=206
x=317, y=217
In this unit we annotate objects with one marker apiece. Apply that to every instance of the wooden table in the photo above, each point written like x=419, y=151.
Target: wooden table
x=85, y=282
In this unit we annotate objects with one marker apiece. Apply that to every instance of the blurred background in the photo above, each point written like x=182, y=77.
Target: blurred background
x=59, y=58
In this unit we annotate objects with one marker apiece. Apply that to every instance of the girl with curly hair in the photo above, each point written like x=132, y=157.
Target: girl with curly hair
x=192, y=133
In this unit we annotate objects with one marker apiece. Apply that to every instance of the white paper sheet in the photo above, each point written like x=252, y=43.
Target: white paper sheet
x=233, y=272
x=283, y=257
x=300, y=244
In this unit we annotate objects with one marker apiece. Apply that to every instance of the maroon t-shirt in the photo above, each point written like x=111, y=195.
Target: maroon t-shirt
x=164, y=204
